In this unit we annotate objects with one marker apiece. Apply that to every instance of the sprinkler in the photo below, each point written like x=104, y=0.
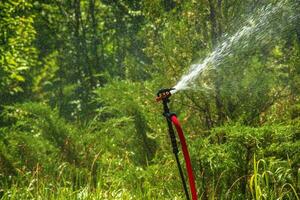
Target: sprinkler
x=164, y=95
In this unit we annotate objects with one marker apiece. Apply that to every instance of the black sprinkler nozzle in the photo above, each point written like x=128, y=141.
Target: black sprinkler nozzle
x=164, y=94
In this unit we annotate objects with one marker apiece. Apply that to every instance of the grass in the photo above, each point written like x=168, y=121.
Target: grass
x=264, y=183
x=154, y=182
x=128, y=182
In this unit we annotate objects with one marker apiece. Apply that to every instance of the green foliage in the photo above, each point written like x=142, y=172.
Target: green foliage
x=78, y=117
x=127, y=105
x=226, y=155
x=275, y=180
x=36, y=136
x=17, y=53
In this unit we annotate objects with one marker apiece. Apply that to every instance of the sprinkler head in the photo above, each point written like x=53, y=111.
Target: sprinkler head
x=164, y=94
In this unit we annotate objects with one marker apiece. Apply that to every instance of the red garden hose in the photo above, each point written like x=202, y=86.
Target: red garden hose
x=186, y=157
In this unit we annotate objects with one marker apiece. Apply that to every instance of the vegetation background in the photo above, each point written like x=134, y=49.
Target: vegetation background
x=78, y=117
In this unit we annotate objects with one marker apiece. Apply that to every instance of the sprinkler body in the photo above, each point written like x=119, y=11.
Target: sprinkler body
x=164, y=95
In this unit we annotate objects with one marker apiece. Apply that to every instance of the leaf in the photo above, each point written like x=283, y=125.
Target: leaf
x=17, y=77
x=22, y=68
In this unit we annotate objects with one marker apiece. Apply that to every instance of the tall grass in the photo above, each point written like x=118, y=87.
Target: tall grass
x=111, y=162
x=155, y=182
x=266, y=183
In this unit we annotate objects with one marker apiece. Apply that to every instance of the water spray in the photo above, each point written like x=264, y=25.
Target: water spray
x=260, y=26
x=163, y=95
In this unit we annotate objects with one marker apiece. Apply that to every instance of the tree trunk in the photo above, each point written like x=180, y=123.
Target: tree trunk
x=77, y=40
x=213, y=20
x=94, y=35
x=220, y=27
x=246, y=171
x=218, y=100
x=214, y=37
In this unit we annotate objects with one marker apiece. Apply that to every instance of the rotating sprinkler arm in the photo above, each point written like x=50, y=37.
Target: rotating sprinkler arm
x=164, y=94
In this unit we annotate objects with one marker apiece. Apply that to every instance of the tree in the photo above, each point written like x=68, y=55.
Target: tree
x=18, y=56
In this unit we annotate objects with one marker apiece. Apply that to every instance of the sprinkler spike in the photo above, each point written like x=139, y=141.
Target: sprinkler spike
x=163, y=95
